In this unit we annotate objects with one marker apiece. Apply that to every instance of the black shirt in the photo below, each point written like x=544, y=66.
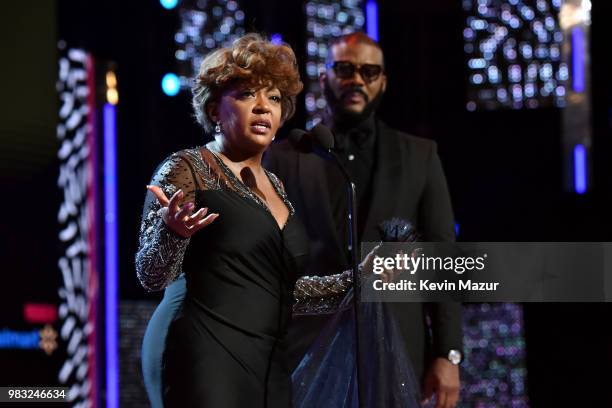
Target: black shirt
x=356, y=149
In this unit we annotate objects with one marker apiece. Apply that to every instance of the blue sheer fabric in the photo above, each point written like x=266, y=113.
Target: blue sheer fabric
x=326, y=377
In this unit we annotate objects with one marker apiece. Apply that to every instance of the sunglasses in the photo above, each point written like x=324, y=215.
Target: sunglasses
x=346, y=70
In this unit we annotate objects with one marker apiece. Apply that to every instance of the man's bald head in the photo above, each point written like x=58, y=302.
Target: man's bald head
x=352, y=39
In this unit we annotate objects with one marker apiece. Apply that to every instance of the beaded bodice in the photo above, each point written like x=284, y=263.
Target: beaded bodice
x=159, y=259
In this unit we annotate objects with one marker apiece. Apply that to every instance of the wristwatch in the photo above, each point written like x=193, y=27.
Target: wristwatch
x=454, y=356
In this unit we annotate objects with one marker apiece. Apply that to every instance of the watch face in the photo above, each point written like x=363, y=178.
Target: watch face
x=454, y=356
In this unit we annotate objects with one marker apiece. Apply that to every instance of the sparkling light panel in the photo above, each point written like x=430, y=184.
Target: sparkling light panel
x=205, y=26
x=77, y=236
x=325, y=20
x=494, y=371
x=513, y=51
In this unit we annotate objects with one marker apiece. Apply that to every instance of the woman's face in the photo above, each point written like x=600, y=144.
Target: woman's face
x=249, y=117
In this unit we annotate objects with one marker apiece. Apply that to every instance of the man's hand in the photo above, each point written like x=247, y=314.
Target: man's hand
x=443, y=380
x=180, y=219
x=389, y=274
x=367, y=266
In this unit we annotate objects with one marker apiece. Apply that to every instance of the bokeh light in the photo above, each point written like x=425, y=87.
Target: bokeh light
x=513, y=54
x=170, y=84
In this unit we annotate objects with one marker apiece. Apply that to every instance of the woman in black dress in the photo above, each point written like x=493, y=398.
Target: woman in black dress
x=226, y=346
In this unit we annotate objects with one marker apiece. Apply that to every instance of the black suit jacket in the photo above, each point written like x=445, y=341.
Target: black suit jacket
x=408, y=183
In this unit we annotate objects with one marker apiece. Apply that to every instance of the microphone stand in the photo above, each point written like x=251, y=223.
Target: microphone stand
x=354, y=258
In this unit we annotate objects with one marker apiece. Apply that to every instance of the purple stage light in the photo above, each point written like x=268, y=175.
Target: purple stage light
x=276, y=39
x=111, y=265
x=580, y=172
x=578, y=59
x=372, y=19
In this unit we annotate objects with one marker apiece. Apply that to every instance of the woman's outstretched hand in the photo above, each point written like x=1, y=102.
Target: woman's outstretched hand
x=180, y=219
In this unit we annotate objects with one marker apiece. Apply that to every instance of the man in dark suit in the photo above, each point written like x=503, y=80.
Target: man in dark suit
x=398, y=177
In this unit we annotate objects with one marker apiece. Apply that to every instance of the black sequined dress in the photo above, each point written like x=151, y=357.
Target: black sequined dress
x=226, y=347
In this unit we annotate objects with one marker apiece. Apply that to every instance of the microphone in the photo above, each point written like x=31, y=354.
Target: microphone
x=319, y=138
x=320, y=141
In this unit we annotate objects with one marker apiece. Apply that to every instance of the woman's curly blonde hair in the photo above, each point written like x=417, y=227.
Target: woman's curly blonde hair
x=251, y=61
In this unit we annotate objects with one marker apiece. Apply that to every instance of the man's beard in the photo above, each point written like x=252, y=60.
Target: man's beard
x=344, y=118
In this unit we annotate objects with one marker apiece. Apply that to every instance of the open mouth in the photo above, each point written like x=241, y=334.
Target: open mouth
x=261, y=125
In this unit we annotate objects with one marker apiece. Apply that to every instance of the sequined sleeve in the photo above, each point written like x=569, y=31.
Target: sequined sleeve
x=161, y=251
x=321, y=294
x=315, y=294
